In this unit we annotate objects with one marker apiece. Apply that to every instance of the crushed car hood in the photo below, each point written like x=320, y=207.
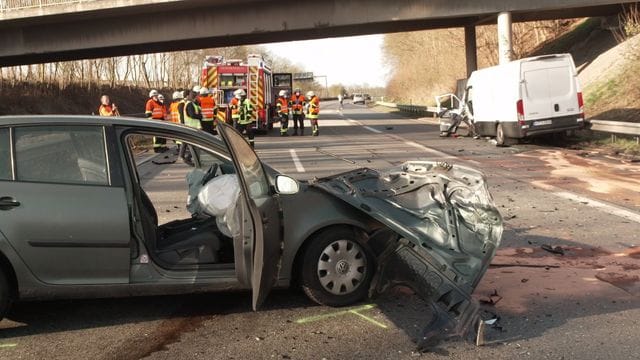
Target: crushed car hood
x=443, y=231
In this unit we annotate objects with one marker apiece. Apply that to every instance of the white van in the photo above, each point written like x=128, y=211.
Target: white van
x=526, y=97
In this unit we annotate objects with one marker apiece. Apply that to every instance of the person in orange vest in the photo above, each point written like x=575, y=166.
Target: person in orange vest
x=234, y=106
x=174, y=108
x=209, y=110
x=297, y=103
x=155, y=110
x=107, y=108
x=313, y=110
x=283, y=112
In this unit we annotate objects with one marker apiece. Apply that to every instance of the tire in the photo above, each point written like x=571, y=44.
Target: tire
x=502, y=139
x=5, y=295
x=336, y=268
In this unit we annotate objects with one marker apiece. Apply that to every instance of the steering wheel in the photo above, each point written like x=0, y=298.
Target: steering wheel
x=210, y=174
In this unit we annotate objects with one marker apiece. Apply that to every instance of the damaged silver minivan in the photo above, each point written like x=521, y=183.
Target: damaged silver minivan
x=75, y=222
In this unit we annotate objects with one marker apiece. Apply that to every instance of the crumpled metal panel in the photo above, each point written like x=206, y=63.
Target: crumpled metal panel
x=448, y=229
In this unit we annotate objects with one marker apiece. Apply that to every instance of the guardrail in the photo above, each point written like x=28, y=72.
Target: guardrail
x=415, y=109
x=6, y=5
x=616, y=128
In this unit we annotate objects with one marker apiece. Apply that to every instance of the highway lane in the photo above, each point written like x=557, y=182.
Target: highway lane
x=575, y=308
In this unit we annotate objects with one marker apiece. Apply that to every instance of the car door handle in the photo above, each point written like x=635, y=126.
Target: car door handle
x=7, y=203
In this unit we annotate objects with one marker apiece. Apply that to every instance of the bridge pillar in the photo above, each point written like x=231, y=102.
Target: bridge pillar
x=471, y=49
x=505, y=38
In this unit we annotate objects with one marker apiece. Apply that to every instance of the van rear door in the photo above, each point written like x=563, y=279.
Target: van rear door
x=549, y=87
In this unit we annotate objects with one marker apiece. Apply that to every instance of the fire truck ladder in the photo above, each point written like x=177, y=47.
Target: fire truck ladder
x=253, y=91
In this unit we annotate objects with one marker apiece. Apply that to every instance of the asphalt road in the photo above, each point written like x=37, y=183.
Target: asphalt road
x=583, y=304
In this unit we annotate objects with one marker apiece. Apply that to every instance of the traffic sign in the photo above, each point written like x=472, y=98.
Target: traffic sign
x=303, y=76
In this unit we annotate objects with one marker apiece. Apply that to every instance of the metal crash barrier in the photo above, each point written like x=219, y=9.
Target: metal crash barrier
x=616, y=128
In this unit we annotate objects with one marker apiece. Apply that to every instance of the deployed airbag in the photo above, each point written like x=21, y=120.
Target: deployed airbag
x=219, y=194
x=219, y=198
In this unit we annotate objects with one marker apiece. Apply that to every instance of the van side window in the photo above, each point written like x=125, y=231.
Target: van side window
x=61, y=154
x=5, y=155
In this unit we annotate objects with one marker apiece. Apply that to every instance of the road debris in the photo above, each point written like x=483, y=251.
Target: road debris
x=553, y=249
x=163, y=162
x=492, y=299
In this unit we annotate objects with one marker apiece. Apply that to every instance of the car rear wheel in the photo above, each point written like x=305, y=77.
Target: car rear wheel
x=501, y=138
x=336, y=269
x=5, y=295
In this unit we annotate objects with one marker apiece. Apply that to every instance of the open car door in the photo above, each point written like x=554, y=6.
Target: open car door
x=264, y=210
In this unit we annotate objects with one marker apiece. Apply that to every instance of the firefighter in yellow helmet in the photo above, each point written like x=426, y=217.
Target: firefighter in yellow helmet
x=313, y=111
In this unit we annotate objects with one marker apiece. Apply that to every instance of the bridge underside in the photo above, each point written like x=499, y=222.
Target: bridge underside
x=182, y=25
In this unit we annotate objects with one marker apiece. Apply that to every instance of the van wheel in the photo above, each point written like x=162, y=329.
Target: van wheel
x=501, y=138
x=5, y=295
x=336, y=269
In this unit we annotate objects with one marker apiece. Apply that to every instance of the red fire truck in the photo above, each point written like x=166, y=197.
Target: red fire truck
x=254, y=76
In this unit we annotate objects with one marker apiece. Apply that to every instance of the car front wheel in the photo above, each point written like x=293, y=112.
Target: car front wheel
x=336, y=269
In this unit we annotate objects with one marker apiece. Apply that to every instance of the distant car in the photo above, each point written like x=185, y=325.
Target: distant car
x=358, y=99
x=76, y=222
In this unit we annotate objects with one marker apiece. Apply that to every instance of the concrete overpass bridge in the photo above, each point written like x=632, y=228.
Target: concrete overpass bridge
x=82, y=29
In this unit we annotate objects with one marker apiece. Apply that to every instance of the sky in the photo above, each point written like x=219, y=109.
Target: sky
x=352, y=60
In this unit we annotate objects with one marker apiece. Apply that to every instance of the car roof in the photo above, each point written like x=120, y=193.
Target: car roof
x=86, y=120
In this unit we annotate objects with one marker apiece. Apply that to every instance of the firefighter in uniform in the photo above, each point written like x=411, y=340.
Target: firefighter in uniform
x=234, y=106
x=245, y=116
x=297, y=103
x=192, y=116
x=313, y=110
x=283, y=112
x=154, y=109
x=174, y=111
x=209, y=110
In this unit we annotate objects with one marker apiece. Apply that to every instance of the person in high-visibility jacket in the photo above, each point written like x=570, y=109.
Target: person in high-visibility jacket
x=154, y=109
x=297, y=103
x=107, y=108
x=282, y=104
x=191, y=116
x=174, y=110
x=209, y=110
x=234, y=106
x=245, y=118
x=313, y=110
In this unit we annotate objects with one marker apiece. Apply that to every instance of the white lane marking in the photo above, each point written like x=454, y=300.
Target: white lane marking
x=426, y=148
x=606, y=208
x=373, y=130
x=609, y=209
x=296, y=161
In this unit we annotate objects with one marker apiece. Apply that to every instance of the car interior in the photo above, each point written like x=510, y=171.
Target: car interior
x=195, y=236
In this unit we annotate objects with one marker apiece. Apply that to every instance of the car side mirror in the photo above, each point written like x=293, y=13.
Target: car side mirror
x=286, y=185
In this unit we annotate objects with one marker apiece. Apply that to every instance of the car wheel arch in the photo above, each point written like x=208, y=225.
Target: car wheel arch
x=6, y=269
